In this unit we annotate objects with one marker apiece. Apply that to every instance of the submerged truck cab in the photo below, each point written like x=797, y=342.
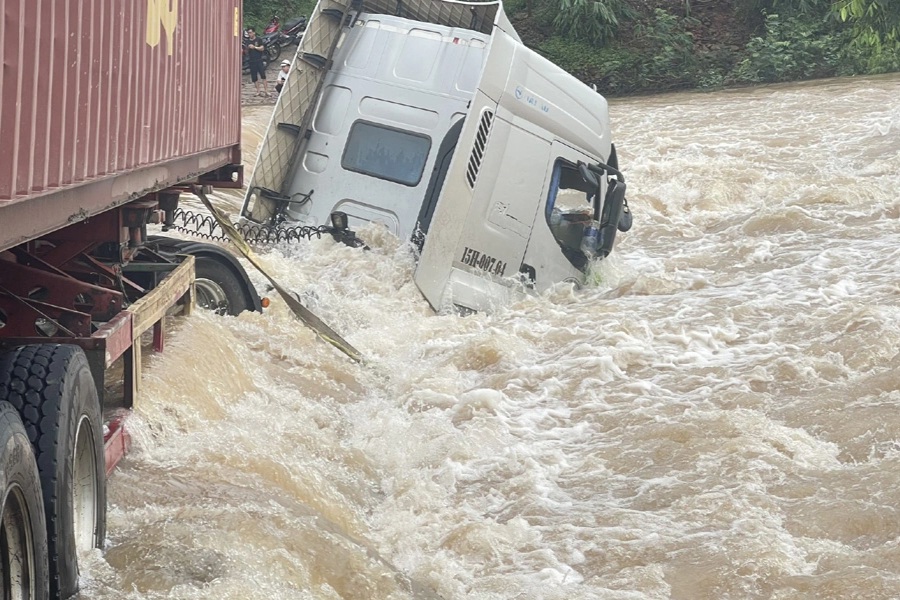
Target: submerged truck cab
x=433, y=119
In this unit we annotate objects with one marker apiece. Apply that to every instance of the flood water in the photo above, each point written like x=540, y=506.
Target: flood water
x=715, y=417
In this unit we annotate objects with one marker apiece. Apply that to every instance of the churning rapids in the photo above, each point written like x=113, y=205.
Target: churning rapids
x=715, y=417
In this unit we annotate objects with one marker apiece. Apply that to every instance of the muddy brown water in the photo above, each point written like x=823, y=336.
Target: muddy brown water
x=714, y=417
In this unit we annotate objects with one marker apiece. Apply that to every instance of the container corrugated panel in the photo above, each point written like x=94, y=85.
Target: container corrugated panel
x=93, y=89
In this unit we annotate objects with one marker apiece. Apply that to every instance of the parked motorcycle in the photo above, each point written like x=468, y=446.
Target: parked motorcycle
x=273, y=26
x=272, y=42
x=292, y=32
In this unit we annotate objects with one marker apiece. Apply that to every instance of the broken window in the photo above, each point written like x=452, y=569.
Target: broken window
x=569, y=205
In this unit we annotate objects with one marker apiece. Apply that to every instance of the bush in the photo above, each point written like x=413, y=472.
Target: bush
x=660, y=57
x=590, y=20
x=670, y=60
x=883, y=60
x=793, y=48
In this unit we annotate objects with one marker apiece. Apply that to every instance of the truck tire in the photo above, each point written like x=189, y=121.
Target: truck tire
x=219, y=288
x=52, y=388
x=23, y=553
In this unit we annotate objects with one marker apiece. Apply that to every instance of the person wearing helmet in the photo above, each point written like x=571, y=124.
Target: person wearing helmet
x=282, y=75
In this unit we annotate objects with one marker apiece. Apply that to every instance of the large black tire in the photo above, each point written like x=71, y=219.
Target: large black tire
x=52, y=388
x=23, y=551
x=219, y=288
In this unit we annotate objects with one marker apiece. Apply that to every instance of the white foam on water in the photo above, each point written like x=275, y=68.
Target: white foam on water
x=712, y=417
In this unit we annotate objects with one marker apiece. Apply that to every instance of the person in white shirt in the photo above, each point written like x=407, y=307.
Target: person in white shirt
x=282, y=75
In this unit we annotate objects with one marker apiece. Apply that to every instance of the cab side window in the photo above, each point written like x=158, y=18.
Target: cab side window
x=386, y=153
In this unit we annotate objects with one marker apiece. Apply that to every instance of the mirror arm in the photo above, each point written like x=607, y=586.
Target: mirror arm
x=603, y=168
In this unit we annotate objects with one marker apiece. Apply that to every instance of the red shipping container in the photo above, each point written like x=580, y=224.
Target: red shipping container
x=102, y=101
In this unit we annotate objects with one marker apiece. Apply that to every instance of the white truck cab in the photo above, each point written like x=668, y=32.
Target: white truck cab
x=432, y=118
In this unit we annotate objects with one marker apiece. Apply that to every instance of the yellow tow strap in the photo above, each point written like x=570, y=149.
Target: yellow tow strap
x=304, y=314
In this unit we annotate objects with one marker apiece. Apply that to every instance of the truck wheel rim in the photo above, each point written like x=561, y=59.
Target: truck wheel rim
x=16, y=547
x=211, y=296
x=84, y=490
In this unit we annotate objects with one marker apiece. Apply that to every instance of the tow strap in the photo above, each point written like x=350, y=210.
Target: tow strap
x=321, y=329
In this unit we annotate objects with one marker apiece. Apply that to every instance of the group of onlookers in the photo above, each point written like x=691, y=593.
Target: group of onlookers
x=255, y=51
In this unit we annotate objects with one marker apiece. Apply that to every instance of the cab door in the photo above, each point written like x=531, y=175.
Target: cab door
x=482, y=223
x=554, y=248
x=483, y=217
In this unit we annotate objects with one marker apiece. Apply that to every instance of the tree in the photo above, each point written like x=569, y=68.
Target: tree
x=590, y=20
x=876, y=22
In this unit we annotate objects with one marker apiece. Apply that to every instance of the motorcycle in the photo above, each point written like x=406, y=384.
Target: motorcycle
x=272, y=43
x=273, y=26
x=292, y=32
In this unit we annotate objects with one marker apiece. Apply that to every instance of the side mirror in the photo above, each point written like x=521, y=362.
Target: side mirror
x=613, y=207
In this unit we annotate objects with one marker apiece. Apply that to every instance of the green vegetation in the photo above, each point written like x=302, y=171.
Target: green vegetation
x=794, y=48
x=639, y=46
x=589, y=20
x=258, y=13
x=876, y=23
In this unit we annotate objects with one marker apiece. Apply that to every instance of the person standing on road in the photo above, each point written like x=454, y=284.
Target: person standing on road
x=255, y=53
